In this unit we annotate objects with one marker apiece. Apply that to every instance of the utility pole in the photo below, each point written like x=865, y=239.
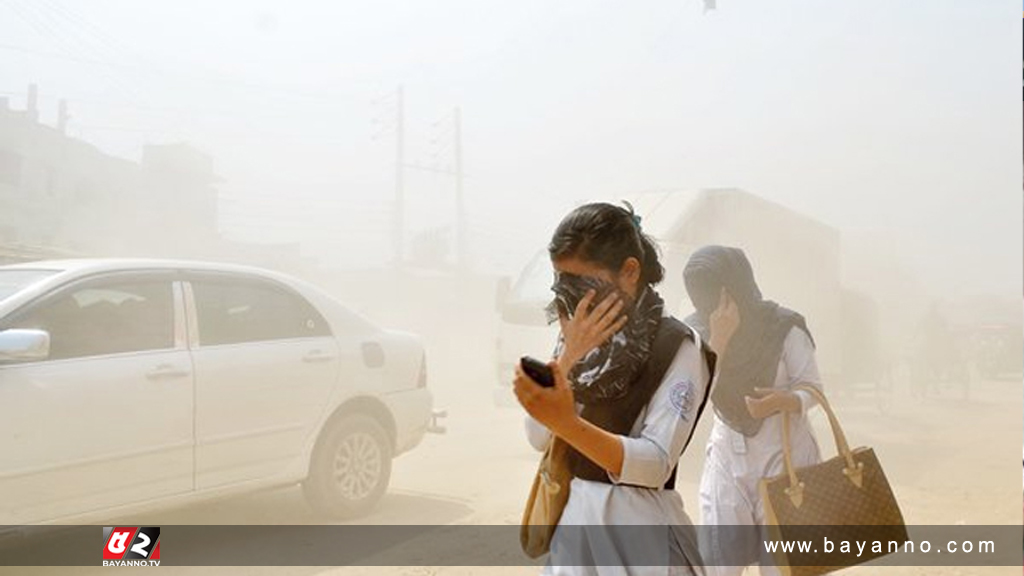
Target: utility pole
x=399, y=216
x=462, y=246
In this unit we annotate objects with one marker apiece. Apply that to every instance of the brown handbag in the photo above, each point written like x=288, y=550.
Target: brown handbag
x=547, y=499
x=846, y=498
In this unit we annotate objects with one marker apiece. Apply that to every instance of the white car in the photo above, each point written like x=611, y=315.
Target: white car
x=127, y=385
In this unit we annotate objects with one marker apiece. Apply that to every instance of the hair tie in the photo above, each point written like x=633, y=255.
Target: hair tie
x=633, y=216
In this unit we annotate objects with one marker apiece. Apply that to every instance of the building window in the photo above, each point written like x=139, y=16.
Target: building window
x=10, y=168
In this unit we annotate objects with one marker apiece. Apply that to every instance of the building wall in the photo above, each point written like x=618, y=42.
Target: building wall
x=64, y=193
x=60, y=196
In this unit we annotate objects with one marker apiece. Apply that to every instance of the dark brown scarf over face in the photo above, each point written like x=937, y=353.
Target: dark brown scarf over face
x=755, y=349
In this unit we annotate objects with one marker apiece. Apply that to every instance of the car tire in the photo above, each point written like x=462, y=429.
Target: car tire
x=350, y=468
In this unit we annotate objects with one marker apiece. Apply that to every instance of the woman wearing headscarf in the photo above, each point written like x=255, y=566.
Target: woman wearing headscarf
x=630, y=383
x=767, y=354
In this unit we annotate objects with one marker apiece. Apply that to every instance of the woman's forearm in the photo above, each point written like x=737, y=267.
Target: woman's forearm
x=600, y=446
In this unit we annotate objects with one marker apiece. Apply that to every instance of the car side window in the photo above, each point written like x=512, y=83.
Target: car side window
x=238, y=311
x=104, y=317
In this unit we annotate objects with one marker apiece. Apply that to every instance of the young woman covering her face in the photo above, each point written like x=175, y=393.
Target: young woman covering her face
x=765, y=351
x=630, y=381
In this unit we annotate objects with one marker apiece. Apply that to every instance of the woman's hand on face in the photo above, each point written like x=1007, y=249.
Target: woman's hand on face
x=588, y=329
x=553, y=407
x=769, y=401
x=723, y=323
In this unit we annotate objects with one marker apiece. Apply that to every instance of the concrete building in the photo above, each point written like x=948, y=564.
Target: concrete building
x=61, y=192
x=61, y=196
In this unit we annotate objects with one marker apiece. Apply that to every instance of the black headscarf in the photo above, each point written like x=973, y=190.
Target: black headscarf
x=756, y=348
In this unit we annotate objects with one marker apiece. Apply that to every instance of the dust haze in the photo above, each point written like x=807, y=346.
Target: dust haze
x=412, y=159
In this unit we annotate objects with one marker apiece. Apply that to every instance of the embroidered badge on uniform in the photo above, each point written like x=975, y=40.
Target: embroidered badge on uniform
x=681, y=397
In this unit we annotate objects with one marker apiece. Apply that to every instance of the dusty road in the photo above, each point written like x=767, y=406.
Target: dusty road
x=950, y=461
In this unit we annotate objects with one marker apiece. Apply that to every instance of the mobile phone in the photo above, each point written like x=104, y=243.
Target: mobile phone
x=538, y=371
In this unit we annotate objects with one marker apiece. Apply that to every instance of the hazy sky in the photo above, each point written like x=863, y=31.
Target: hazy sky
x=895, y=121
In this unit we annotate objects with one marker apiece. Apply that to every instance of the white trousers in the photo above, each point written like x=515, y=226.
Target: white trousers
x=729, y=496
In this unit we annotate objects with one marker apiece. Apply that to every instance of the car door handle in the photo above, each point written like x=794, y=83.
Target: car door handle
x=166, y=371
x=317, y=356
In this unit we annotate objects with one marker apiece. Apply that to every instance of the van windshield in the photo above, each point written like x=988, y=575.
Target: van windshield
x=14, y=281
x=534, y=284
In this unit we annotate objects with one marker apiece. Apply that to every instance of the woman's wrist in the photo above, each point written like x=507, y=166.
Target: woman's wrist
x=566, y=363
x=565, y=426
x=717, y=346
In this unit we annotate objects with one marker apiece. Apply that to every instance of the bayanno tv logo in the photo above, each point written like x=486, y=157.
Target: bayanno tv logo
x=131, y=546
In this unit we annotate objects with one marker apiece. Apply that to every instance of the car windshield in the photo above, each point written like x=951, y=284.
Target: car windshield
x=14, y=281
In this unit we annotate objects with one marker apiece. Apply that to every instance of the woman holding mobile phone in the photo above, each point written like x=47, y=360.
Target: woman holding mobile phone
x=630, y=381
x=760, y=360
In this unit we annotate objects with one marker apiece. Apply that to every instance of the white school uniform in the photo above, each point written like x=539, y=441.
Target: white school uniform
x=637, y=496
x=735, y=464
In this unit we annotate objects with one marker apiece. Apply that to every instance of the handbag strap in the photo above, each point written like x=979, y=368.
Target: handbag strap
x=554, y=454
x=853, y=470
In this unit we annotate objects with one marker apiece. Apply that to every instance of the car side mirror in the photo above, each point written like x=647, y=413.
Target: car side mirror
x=502, y=292
x=20, y=345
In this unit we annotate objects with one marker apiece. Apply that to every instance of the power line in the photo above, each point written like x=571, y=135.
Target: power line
x=70, y=14
x=325, y=97
x=45, y=26
x=55, y=55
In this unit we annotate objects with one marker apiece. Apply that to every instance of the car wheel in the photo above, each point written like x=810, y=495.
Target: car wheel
x=350, y=469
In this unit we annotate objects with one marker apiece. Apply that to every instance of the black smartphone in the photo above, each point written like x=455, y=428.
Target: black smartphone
x=538, y=371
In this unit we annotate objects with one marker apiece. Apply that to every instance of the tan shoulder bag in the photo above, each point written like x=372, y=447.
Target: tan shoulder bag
x=547, y=499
